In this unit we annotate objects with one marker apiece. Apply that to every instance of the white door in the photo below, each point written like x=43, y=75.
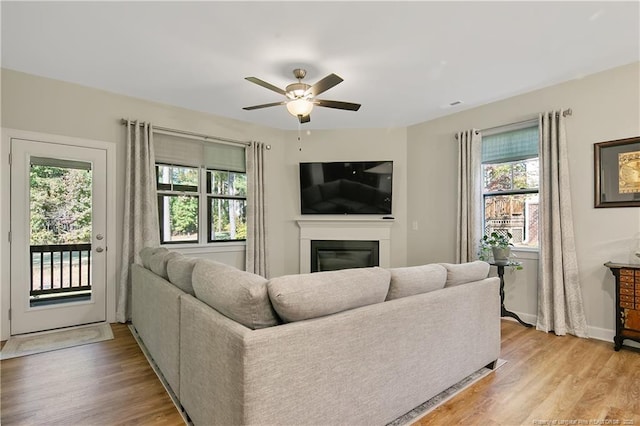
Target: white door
x=58, y=238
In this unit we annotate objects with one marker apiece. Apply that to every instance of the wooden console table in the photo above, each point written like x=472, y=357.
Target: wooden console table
x=627, y=302
x=503, y=311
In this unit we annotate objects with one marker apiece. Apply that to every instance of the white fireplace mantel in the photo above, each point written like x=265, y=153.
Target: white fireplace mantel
x=344, y=228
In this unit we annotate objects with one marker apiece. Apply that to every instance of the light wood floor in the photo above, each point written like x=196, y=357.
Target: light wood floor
x=566, y=379
x=550, y=380
x=105, y=383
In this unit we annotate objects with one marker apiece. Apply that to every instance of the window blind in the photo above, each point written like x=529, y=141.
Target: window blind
x=514, y=145
x=192, y=152
x=221, y=156
x=176, y=150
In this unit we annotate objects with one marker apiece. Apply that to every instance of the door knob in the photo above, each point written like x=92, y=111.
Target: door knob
x=99, y=237
x=99, y=249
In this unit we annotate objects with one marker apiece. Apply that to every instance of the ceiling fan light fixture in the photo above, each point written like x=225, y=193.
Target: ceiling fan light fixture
x=299, y=107
x=297, y=90
x=301, y=97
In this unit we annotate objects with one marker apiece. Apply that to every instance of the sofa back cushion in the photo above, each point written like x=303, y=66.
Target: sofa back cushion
x=416, y=280
x=312, y=195
x=305, y=296
x=330, y=190
x=239, y=295
x=180, y=270
x=465, y=272
x=147, y=252
x=358, y=192
x=158, y=262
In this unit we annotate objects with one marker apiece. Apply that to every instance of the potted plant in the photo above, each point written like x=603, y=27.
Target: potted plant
x=497, y=243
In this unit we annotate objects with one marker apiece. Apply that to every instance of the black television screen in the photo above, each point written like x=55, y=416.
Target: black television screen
x=346, y=187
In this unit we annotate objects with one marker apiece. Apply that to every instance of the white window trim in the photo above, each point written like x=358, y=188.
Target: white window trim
x=526, y=253
x=202, y=211
x=221, y=247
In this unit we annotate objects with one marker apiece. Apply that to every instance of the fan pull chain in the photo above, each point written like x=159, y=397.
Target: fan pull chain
x=299, y=139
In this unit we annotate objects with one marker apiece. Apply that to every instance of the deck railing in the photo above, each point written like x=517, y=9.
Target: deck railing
x=60, y=268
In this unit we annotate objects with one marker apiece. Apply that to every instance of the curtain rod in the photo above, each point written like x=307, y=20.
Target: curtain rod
x=565, y=113
x=186, y=133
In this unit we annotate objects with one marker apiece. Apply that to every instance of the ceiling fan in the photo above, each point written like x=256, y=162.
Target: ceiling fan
x=301, y=97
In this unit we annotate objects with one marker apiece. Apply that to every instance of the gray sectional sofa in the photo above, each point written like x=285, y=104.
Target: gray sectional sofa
x=356, y=346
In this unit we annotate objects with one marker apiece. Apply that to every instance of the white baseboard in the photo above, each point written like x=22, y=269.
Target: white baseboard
x=603, y=334
x=597, y=333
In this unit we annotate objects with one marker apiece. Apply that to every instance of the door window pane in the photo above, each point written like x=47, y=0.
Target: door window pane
x=60, y=204
x=60, y=219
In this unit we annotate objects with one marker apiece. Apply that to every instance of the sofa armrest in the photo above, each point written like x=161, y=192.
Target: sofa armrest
x=155, y=314
x=212, y=356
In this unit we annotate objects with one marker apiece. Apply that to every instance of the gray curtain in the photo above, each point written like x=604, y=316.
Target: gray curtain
x=560, y=307
x=256, y=256
x=469, y=211
x=140, y=227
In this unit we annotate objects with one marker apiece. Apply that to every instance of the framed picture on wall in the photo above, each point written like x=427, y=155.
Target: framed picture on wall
x=617, y=173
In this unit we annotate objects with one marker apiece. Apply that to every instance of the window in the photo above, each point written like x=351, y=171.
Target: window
x=226, y=205
x=202, y=191
x=178, y=203
x=510, y=184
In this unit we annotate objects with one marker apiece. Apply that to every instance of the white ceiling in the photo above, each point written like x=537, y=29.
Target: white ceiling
x=403, y=61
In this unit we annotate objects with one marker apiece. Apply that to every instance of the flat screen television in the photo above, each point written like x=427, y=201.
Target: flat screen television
x=346, y=187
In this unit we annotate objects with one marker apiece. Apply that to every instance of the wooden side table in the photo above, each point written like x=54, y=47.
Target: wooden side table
x=627, y=302
x=503, y=311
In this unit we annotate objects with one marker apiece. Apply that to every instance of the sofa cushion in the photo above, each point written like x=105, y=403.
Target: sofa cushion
x=312, y=195
x=147, y=252
x=179, y=270
x=239, y=295
x=158, y=262
x=330, y=190
x=358, y=192
x=305, y=296
x=465, y=272
x=416, y=280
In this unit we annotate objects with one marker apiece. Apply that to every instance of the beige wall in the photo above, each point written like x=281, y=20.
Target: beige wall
x=55, y=107
x=49, y=106
x=606, y=106
x=344, y=145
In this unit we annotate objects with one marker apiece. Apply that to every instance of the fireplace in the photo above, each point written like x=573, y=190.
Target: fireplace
x=353, y=229
x=331, y=255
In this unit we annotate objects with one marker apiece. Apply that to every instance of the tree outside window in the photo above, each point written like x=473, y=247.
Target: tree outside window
x=227, y=206
x=60, y=205
x=178, y=202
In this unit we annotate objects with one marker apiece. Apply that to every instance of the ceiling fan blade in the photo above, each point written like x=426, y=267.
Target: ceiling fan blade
x=304, y=118
x=266, y=85
x=264, y=105
x=323, y=85
x=337, y=104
